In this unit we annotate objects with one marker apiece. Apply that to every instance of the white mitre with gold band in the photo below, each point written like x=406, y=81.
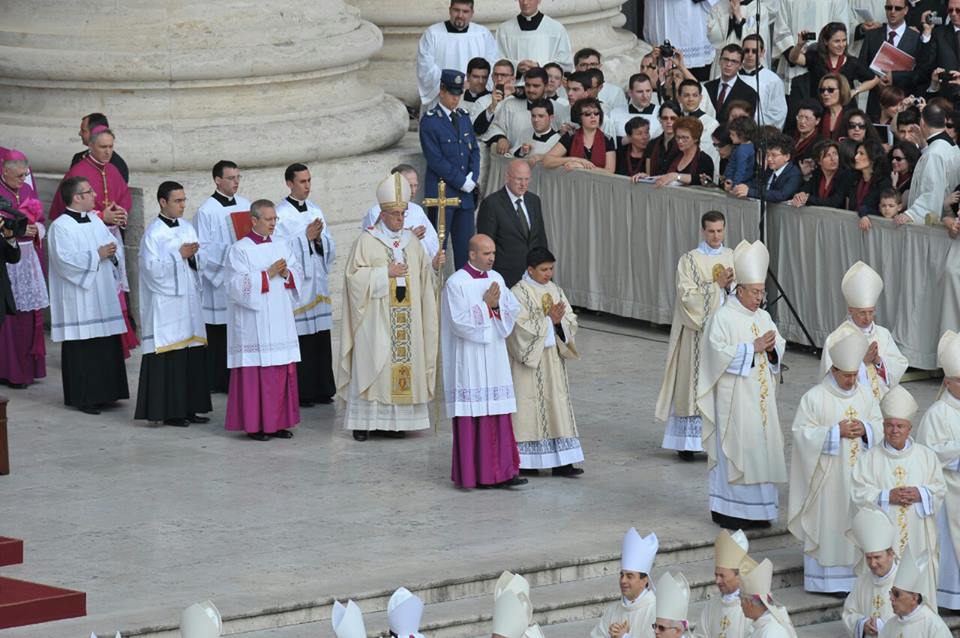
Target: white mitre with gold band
x=393, y=192
x=899, y=404
x=848, y=345
x=729, y=550
x=912, y=576
x=872, y=531
x=673, y=597
x=861, y=286
x=948, y=354
x=750, y=262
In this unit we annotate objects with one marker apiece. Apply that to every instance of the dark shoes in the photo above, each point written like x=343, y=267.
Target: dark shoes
x=89, y=409
x=258, y=436
x=306, y=404
x=360, y=435
x=282, y=434
x=393, y=434
x=177, y=423
x=734, y=523
x=195, y=418
x=686, y=456
x=514, y=482
x=325, y=400
x=567, y=470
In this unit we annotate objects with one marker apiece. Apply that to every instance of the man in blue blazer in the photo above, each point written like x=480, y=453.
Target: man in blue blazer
x=450, y=148
x=782, y=178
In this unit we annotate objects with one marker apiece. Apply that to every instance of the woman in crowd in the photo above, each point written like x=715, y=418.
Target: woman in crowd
x=829, y=56
x=661, y=151
x=738, y=108
x=630, y=156
x=723, y=144
x=891, y=103
x=903, y=160
x=743, y=159
x=690, y=165
x=809, y=115
x=871, y=177
x=834, y=91
x=587, y=147
x=856, y=129
x=830, y=182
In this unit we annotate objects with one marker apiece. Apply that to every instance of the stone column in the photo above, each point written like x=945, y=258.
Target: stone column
x=593, y=23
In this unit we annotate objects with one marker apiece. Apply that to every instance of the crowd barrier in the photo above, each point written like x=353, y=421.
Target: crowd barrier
x=618, y=244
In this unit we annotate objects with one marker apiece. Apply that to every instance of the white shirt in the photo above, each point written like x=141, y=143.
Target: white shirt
x=513, y=202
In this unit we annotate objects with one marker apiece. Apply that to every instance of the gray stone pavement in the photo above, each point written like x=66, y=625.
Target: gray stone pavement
x=147, y=519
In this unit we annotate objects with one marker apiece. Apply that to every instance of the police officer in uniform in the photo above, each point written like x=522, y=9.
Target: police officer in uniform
x=450, y=148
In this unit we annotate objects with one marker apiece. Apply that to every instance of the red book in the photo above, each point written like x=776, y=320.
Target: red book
x=242, y=224
x=889, y=58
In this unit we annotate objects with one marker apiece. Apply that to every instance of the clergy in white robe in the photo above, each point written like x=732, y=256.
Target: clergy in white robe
x=883, y=364
x=867, y=607
x=939, y=430
x=684, y=24
x=937, y=172
x=534, y=37
x=726, y=26
x=737, y=397
x=836, y=421
x=636, y=611
x=791, y=18
x=914, y=613
x=216, y=232
x=772, y=100
x=515, y=585
x=404, y=611
x=704, y=275
x=905, y=480
x=722, y=615
x=416, y=219
x=85, y=314
x=388, y=340
x=770, y=619
x=541, y=343
x=302, y=225
x=451, y=45
x=478, y=313
x=262, y=278
x=673, y=603
x=173, y=384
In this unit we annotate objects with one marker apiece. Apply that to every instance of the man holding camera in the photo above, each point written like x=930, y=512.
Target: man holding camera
x=939, y=48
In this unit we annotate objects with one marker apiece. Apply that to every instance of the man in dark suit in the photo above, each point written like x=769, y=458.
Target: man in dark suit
x=897, y=33
x=729, y=87
x=916, y=9
x=512, y=217
x=9, y=254
x=940, y=49
x=782, y=178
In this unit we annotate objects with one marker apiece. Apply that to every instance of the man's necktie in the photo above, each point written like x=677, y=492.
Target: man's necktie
x=455, y=118
x=891, y=36
x=723, y=94
x=523, y=218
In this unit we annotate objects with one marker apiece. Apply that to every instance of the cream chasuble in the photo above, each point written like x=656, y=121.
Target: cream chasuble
x=870, y=598
x=722, y=617
x=922, y=623
x=893, y=362
x=883, y=468
x=388, y=347
x=313, y=313
x=641, y=614
x=698, y=297
x=821, y=462
x=215, y=230
x=766, y=626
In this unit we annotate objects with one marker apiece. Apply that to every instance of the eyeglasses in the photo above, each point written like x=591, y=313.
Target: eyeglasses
x=662, y=628
x=746, y=50
x=857, y=125
x=85, y=193
x=803, y=116
x=729, y=61
x=898, y=159
x=954, y=10
x=826, y=90
x=891, y=7
x=589, y=113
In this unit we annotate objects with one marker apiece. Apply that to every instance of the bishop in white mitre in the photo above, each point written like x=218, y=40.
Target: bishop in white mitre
x=883, y=364
x=722, y=615
x=914, y=609
x=867, y=608
x=302, y=225
x=261, y=279
x=404, y=611
x=704, y=275
x=416, y=219
x=737, y=396
x=515, y=586
x=636, y=610
x=451, y=45
x=939, y=430
x=770, y=619
x=388, y=340
x=347, y=620
x=673, y=604
x=905, y=480
x=836, y=421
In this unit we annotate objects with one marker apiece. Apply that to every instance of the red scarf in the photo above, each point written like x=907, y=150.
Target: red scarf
x=840, y=62
x=691, y=168
x=826, y=186
x=598, y=154
x=828, y=125
x=862, y=189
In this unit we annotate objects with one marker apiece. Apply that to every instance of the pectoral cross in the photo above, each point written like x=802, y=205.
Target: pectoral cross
x=850, y=414
x=441, y=201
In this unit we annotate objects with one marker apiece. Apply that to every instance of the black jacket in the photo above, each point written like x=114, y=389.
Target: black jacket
x=8, y=255
x=940, y=51
x=906, y=80
x=739, y=91
x=498, y=218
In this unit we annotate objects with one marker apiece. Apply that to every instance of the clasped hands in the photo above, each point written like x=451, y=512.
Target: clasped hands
x=852, y=429
x=765, y=342
x=189, y=250
x=492, y=296
x=279, y=267
x=314, y=229
x=905, y=496
x=619, y=629
x=114, y=215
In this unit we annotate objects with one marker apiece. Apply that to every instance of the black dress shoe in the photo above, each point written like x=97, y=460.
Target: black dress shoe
x=567, y=470
x=196, y=418
x=89, y=409
x=258, y=436
x=686, y=456
x=529, y=472
x=177, y=423
x=325, y=400
x=514, y=482
x=392, y=434
x=360, y=435
x=306, y=404
x=17, y=386
x=282, y=434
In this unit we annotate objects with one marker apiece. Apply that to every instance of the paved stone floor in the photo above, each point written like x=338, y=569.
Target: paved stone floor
x=148, y=519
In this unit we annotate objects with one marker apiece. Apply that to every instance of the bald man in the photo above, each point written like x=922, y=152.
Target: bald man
x=478, y=312
x=512, y=217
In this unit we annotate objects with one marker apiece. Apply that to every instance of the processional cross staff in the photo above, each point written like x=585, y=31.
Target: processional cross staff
x=441, y=201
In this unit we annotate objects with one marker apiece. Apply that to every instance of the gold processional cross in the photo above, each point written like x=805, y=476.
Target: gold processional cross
x=441, y=201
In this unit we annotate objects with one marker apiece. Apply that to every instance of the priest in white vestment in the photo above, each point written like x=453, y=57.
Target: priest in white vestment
x=770, y=620
x=636, y=611
x=939, y=430
x=673, y=603
x=347, y=620
x=85, y=314
x=936, y=173
x=173, y=386
x=262, y=278
x=534, y=37
x=883, y=364
x=516, y=586
x=302, y=225
x=867, y=607
x=704, y=277
x=737, y=397
x=540, y=345
x=722, y=615
x=905, y=480
x=388, y=338
x=914, y=615
x=451, y=45
x=478, y=314
x=836, y=421
x=416, y=219
x=215, y=230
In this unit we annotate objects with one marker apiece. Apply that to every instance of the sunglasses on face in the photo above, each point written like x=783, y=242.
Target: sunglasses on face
x=826, y=90
x=954, y=10
x=750, y=50
x=857, y=125
x=891, y=7
x=590, y=113
x=898, y=159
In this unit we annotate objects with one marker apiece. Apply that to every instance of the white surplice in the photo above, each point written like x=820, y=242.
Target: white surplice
x=83, y=287
x=640, y=613
x=772, y=107
x=477, y=380
x=547, y=43
x=415, y=217
x=935, y=176
x=440, y=49
x=215, y=230
x=260, y=327
x=170, y=314
x=893, y=362
x=684, y=24
x=820, y=512
x=313, y=313
x=870, y=598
